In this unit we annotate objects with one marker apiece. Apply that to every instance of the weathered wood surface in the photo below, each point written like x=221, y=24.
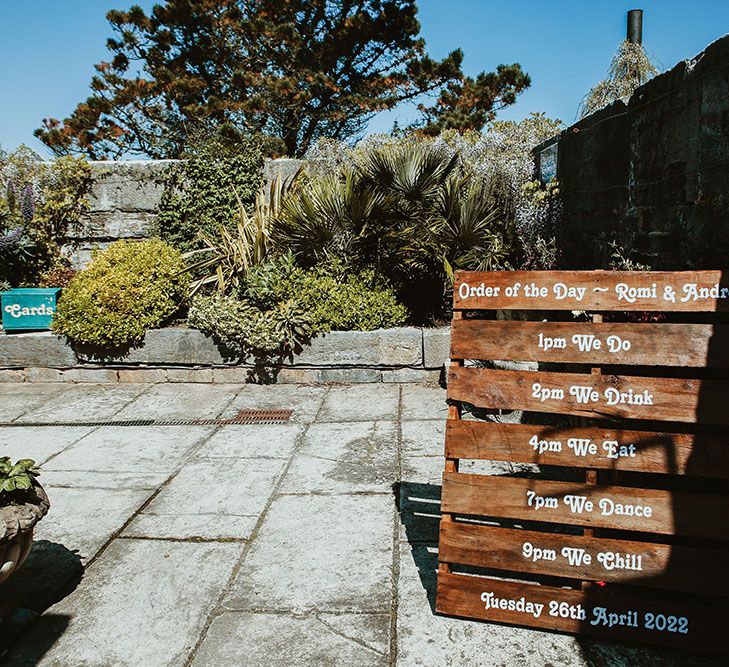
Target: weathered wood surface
x=582, y=504
x=680, y=400
x=702, y=629
x=694, y=345
x=693, y=291
x=587, y=558
x=590, y=447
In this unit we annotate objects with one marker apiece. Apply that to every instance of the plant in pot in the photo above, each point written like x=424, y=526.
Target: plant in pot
x=23, y=503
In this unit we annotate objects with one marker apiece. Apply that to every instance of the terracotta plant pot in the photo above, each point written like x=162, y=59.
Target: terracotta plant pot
x=17, y=521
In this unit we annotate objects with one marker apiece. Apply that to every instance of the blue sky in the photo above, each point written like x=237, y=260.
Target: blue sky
x=48, y=48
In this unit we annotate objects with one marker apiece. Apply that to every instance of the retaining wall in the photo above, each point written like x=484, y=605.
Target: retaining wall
x=406, y=354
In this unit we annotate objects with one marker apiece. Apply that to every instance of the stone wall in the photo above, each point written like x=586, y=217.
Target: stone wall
x=406, y=354
x=652, y=171
x=124, y=199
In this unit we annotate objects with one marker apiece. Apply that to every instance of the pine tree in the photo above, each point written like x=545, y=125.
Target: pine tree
x=294, y=70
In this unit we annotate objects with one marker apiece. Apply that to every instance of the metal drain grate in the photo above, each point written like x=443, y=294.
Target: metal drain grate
x=242, y=418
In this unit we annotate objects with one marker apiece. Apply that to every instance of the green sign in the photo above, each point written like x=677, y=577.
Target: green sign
x=28, y=309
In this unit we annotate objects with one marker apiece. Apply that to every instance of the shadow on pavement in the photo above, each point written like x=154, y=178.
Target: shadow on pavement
x=50, y=573
x=419, y=509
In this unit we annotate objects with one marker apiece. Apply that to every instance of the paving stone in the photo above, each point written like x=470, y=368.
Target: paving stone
x=85, y=402
x=178, y=401
x=35, y=349
x=20, y=399
x=304, y=401
x=208, y=499
x=361, y=403
x=131, y=449
x=252, y=441
x=424, y=403
x=38, y=443
x=328, y=553
x=345, y=458
x=423, y=437
x=263, y=640
x=130, y=608
x=84, y=519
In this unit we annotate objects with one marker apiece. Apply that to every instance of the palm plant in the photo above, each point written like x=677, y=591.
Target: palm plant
x=402, y=207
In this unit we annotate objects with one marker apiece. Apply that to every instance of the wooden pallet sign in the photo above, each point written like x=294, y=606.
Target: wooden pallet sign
x=622, y=530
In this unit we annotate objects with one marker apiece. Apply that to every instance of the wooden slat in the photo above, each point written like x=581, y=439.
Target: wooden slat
x=466, y=596
x=663, y=512
x=591, y=290
x=590, y=447
x=667, y=399
x=695, y=345
x=580, y=557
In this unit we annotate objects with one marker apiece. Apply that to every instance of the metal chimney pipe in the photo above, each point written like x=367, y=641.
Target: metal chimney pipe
x=635, y=26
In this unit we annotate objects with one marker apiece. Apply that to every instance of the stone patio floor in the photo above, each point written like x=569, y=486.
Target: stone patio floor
x=310, y=543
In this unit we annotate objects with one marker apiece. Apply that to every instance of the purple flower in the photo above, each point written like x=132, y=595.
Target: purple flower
x=27, y=203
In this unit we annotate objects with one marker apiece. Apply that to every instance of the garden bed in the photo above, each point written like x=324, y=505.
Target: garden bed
x=406, y=354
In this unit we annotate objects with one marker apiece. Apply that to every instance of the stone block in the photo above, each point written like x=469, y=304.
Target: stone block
x=96, y=375
x=383, y=347
x=436, y=347
x=175, y=345
x=41, y=350
x=112, y=225
x=12, y=375
x=234, y=375
x=43, y=375
x=349, y=375
x=142, y=375
x=297, y=375
x=194, y=375
x=129, y=185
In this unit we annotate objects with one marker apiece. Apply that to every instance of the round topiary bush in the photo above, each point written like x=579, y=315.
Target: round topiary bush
x=127, y=289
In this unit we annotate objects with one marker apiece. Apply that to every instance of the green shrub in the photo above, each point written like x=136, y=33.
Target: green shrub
x=281, y=306
x=127, y=289
x=334, y=298
x=239, y=324
x=204, y=191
